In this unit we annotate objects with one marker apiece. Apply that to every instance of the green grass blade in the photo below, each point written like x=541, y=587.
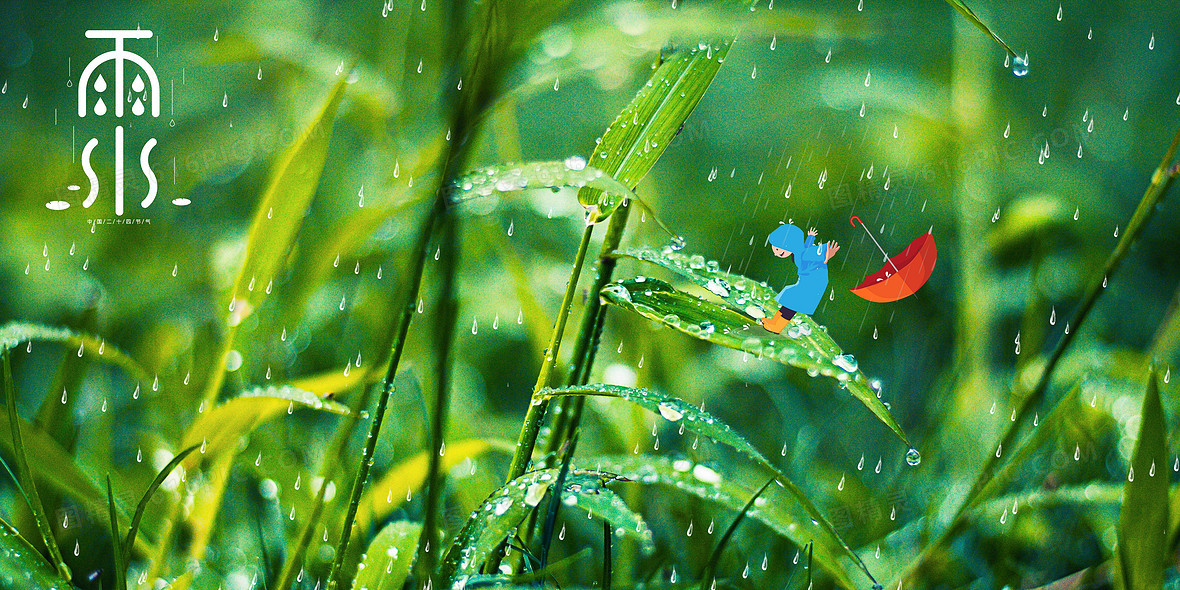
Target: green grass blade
x=804, y=344
x=702, y=423
x=389, y=557
x=143, y=502
x=26, y=474
x=219, y=428
x=975, y=20
x=14, y=334
x=607, y=572
x=502, y=512
x=603, y=503
x=641, y=132
x=779, y=513
x=709, y=573
x=21, y=563
x=1143, y=521
x=277, y=220
x=672, y=409
x=573, y=172
x=388, y=493
x=117, y=553
x=57, y=469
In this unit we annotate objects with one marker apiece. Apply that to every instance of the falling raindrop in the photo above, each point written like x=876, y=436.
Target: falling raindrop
x=1053, y=316
x=877, y=469
x=1007, y=129
x=868, y=77
x=225, y=99
x=1058, y=12
x=828, y=57
x=474, y=326
x=361, y=197
x=1151, y=42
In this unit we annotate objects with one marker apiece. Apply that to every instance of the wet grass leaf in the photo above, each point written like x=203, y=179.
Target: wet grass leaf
x=975, y=20
x=27, y=478
x=672, y=409
x=573, y=172
x=218, y=429
x=704, y=482
x=603, y=503
x=642, y=131
x=804, y=343
x=1143, y=520
x=389, y=557
x=702, y=423
x=21, y=566
x=16, y=333
x=56, y=469
x=499, y=515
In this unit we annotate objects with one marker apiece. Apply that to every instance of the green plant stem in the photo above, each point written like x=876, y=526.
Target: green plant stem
x=26, y=474
x=589, y=332
x=539, y=404
x=408, y=308
x=1161, y=182
x=444, y=341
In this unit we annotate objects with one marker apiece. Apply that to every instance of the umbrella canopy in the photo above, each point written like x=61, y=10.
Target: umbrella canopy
x=904, y=274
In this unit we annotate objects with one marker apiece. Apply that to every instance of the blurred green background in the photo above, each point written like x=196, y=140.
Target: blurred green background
x=899, y=112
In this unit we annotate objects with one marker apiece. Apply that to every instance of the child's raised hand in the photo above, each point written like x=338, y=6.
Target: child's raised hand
x=812, y=232
x=833, y=247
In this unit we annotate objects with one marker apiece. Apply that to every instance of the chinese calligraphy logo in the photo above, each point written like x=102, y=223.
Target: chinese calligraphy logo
x=141, y=95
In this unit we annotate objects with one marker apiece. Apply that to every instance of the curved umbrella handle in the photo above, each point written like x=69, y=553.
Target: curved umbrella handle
x=883, y=252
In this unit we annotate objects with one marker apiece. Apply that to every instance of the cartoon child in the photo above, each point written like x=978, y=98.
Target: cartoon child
x=812, y=260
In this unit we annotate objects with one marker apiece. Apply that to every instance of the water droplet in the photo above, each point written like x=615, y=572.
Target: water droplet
x=474, y=326
x=868, y=77
x=1151, y=42
x=1020, y=65
x=225, y=99
x=913, y=457
x=1058, y=12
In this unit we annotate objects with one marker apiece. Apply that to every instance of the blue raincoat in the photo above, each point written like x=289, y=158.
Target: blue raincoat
x=804, y=295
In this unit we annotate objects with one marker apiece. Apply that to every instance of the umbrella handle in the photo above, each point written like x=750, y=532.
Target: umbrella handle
x=862, y=226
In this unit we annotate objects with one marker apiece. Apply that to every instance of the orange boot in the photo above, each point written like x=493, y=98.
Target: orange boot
x=776, y=323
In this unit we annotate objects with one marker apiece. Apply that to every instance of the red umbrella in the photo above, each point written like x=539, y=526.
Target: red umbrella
x=904, y=274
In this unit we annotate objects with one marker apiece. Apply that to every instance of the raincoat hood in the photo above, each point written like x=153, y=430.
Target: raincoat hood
x=787, y=237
